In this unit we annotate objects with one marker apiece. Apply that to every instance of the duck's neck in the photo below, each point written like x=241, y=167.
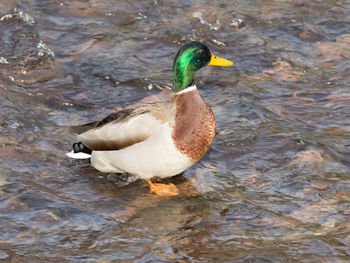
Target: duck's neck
x=183, y=71
x=182, y=82
x=188, y=89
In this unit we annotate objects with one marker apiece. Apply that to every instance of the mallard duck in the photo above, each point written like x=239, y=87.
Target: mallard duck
x=161, y=139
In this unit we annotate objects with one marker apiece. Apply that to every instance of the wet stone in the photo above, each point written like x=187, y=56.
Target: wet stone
x=24, y=57
x=3, y=255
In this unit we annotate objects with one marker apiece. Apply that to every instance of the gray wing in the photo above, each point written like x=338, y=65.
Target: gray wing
x=126, y=127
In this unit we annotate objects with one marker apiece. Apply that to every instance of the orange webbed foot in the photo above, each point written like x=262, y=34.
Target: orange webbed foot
x=163, y=189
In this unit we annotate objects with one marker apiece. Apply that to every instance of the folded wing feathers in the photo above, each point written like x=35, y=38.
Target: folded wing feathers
x=126, y=127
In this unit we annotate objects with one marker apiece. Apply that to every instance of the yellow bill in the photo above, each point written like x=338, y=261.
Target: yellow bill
x=216, y=61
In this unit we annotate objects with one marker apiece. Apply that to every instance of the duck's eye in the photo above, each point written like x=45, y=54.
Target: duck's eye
x=201, y=51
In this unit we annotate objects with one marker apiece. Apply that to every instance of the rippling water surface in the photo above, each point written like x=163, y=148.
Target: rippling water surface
x=275, y=185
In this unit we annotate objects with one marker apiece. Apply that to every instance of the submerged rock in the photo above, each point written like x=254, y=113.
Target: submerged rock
x=24, y=57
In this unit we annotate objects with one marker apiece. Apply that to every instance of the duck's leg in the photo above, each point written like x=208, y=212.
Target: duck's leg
x=163, y=189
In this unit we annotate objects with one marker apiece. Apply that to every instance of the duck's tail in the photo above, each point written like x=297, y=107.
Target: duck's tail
x=80, y=151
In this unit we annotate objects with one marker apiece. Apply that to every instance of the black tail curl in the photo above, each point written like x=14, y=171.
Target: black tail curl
x=80, y=147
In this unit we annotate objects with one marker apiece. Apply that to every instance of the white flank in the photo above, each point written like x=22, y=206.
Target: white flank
x=187, y=89
x=156, y=156
x=80, y=155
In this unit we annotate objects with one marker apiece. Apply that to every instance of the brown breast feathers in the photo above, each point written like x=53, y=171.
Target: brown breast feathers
x=194, y=125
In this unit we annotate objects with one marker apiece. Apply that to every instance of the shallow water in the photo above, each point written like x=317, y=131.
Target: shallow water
x=274, y=187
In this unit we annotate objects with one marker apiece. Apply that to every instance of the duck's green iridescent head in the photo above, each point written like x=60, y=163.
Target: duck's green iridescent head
x=190, y=58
